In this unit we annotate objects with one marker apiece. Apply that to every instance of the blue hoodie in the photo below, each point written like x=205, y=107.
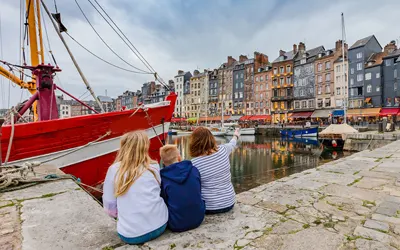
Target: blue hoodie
x=181, y=190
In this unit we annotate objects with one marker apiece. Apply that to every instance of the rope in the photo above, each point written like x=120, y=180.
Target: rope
x=152, y=126
x=11, y=138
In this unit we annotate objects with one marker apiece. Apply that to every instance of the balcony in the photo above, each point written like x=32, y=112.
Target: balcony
x=281, y=98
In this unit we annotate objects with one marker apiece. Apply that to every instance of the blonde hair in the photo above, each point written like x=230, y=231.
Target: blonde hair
x=169, y=154
x=134, y=160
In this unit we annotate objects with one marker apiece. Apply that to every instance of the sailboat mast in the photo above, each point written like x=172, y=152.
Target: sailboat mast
x=85, y=81
x=343, y=72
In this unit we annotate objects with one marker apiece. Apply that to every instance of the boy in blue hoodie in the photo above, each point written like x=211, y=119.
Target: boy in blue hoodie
x=181, y=190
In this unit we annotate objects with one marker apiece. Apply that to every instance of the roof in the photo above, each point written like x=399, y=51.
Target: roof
x=375, y=59
x=103, y=98
x=339, y=59
x=287, y=56
x=182, y=74
x=315, y=51
x=394, y=53
x=362, y=42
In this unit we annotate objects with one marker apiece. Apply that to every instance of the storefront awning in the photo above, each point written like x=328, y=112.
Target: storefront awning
x=301, y=115
x=363, y=112
x=214, y=118
x=177, y=119
x=322, y=113
x=260, y=117
x=338, y=112
x=245, y=118
x=389, y=112
x=192, y=119
x=234, y=118
x=368, y=100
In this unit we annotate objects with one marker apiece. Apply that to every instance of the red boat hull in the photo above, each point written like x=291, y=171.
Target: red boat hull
x=65, y=141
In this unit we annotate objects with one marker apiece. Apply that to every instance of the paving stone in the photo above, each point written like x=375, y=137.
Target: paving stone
x=247, y=198
x=372, y=234
x=273, y=206
x=370, y=183
x=351, y=192
x=396, y=229
x=312, y=238
x=388, y=208
x=384, y=218
x=267, y=242
x=287, y=227
x=253, y=235
x=363, y=244
x=377, y=225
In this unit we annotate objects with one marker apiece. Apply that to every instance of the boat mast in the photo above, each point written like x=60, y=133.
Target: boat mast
x=343, y=72
x=85, y=81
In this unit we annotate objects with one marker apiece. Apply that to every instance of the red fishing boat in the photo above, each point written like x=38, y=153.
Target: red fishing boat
x=83, y=146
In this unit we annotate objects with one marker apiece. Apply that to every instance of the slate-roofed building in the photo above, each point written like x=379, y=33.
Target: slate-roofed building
x=358, y=55
x=213, y=92
x=238, y=88
x=391, y=75
x=180, y=79
x=304, y=77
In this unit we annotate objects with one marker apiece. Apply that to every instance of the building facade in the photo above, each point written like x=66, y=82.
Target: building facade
x=180, y=80
x=225, y=76
x=282, y=85
x=358, y=54
x=340, y=82
x=213, y=92
x=147, y=89
x=238, y=88
x=262, y=91
x=304, y=77
x=249, y=86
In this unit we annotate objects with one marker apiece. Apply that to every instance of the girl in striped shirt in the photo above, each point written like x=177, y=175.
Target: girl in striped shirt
x=212, y=161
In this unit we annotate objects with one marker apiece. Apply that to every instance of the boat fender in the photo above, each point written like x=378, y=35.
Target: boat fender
x=334, y=143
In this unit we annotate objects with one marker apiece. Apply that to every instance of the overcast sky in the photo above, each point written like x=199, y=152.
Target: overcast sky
x=189, y=34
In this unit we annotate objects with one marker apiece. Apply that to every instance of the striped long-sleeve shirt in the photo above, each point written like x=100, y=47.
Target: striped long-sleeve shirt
x=216, y=185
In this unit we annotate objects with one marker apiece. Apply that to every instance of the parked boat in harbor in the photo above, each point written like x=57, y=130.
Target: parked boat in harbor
x=303, y=132
x=334, y=136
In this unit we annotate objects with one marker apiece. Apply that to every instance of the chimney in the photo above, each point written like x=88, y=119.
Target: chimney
x=294, y=49
x=231, y=60
x=302, y=47
x=282, y=53
x=390, y=47
x=242, y=58
x=180, y=72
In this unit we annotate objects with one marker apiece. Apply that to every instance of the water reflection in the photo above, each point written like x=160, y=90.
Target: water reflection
x=259, y=160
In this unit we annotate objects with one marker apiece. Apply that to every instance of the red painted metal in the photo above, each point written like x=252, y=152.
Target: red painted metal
x=52, y=136
x=27, y=105
x=76, y=99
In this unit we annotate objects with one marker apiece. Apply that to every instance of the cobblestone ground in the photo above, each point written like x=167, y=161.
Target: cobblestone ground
x=351, y=203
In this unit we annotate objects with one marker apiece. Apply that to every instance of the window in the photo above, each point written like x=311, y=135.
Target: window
x=388, y=62
x=311, y=103
x=388, y=101
x=327, y=89
x=240, y=94
x=327, y=102
x=261, y=96
x=281, y=81
x=327, y=65
x=338, y=91
x=303, y=61
x=359, y=66
x=368, y=76
x=337, y=79
x=301, y=92
x=352, y=92
x=256, y=87
x=261, y=78
x=236, y=95
x=328, y=77
x=237, y=76
x=352, y=71
x=241, y=85
x=359, y=77
x=319, y=79
x=378, y=75
x=369, y=88
x=319, y=67
x=395, y=73
x=338, y=68
x=281, y=70
x=319, y=90
x=288, y=80
x=378, y=88
x=275, y=71
x=395, y=86
x=297, y=105
x=359, y=55
x=257, y=79
x=236, y=85
x=288, y=68
x=303, y=104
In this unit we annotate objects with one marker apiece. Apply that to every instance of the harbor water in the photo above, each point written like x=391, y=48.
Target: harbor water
x=258, y=159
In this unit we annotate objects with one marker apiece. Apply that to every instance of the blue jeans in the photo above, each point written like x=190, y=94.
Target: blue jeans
x=144, y=238
x=220, y=211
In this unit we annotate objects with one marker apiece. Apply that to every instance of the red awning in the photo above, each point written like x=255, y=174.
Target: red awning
x=177, y=119
x=245, y=118
x=389, y=111
x=301, y=115
x=260, y=117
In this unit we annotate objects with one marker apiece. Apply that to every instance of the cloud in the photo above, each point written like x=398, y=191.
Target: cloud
x=189, y=34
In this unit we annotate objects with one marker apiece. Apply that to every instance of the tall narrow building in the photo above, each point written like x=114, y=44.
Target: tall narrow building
x=238, y=88
x=358, y=54
x=180, y=80
x=282, y=85
x=225, y=78
x=213, y=93
x=304, y=80
x=391, y=76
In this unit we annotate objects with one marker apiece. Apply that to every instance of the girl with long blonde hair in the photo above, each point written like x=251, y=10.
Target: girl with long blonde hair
x=132, y=191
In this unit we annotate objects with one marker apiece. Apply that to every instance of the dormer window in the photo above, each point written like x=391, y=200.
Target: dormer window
x=328, y=52
x=320, y=55
x=370, y=63
x=303, y=61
